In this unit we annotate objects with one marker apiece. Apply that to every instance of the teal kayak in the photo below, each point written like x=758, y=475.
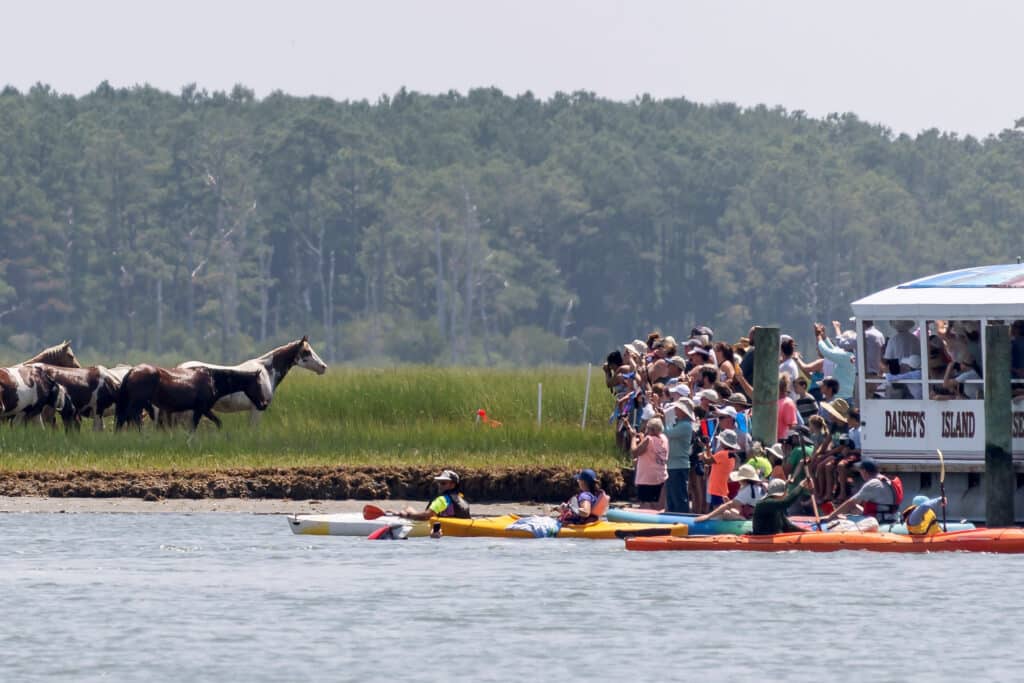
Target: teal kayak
x=714, y=527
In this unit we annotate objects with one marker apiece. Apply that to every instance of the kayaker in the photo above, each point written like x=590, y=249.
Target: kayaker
x=449, y=503
x=921, y=518
x=770, y=512
x=582, y=507
x=742, y=505
x=878, y=491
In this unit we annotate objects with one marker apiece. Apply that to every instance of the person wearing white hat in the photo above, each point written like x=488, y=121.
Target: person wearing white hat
x=680, y=438
x=769, y=516
x=449, y=503
x=742, y=505
x=721, y=463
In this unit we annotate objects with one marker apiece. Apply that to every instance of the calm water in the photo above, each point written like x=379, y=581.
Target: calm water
x=238, y=597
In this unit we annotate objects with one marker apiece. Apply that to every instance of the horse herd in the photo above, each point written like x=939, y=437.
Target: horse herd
x=53, y=383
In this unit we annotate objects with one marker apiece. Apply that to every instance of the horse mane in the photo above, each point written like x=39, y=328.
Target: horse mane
x=57, y=353
x=283, y=357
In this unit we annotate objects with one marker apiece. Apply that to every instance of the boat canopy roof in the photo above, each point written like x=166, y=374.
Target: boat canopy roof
x=971, y=293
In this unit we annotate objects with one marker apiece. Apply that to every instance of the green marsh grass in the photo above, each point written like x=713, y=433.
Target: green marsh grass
x=394, y=416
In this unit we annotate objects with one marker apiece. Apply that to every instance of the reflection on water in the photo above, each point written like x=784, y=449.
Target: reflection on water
x=238, y=597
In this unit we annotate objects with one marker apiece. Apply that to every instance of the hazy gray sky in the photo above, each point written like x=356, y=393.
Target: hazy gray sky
x=908, y=65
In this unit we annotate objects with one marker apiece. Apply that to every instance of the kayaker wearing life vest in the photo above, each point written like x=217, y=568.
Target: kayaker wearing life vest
x=920, y=516
x=584, y=507
x=877, y=492
x=449, y=503
x=742, y=505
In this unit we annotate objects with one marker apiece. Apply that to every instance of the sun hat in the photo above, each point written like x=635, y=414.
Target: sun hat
x=848, y=340
x=745, y=473
x=727, y=439
x=708, y=394
x=448, y=475
x=838, y=408
x=727, y=411
x=776, y=487
x=913, y=361
x=919, y=500
x=685, y=406
x=669, y=341
x=701, y=350
x=678, y=361
x=738, y=399
x=785, y=338
x=775, y=450
x=588, y=475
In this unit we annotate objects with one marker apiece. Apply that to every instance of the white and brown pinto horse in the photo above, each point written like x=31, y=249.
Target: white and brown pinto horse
x=92, y=391
x=176, y=390
x=25, y=390
x=273, y=366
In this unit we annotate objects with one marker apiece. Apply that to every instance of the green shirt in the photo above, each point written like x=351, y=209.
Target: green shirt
x=797, y=454
x=770, y=514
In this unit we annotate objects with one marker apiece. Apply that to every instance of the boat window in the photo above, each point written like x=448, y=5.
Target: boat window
x=901, y=361
x=955, y=360
x=1017, y=356
x=874, y=349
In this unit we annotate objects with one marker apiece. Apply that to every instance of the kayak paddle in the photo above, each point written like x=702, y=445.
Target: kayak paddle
x=653, y=531
x=373, y=512
x=942, y=488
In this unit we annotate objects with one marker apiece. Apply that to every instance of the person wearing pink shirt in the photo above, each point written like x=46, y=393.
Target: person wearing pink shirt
x=650, y=454
x=788, y=416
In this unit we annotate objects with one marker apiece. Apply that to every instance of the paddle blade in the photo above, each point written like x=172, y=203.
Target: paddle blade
x=383, y=533
x=372, y=512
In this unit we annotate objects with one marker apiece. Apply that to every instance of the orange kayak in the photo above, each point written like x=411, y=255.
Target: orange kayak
x=972, y=540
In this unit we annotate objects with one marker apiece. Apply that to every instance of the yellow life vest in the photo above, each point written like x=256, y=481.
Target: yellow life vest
x=928, y=525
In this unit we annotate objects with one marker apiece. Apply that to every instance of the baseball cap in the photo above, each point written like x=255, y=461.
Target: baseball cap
x=868, y=465
x=447, y=475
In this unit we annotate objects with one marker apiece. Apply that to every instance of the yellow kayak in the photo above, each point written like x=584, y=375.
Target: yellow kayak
x=498, y=527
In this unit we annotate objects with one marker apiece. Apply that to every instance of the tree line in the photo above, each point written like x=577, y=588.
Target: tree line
x=475, y=228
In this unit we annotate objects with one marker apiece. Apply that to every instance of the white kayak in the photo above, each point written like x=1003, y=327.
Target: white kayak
x=353, y=524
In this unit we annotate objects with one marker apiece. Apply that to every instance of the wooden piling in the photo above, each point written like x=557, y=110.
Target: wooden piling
x=765, y=415
x=1000, y=480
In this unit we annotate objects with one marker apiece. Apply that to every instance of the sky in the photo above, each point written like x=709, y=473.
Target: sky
x=908, y=65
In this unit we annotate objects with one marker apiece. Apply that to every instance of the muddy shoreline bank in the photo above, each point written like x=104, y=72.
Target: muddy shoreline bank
x=533, y=484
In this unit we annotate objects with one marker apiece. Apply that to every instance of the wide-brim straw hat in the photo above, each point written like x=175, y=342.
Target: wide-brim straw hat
x=775, y=451
x=838, y=408
x=745, y=473
x=738, y=399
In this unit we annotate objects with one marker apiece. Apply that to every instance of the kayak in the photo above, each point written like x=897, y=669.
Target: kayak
x=708, y=528
x=498, y=527
x=971, y=540
x=353, y=524
x=714, y=527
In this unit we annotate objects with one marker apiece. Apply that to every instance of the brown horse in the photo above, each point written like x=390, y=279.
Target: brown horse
x=92, y=391
x=146, y=387
x=25, y=390
x=60, y=355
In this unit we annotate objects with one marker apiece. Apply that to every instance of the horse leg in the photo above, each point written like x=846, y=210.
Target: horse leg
x=216, y=420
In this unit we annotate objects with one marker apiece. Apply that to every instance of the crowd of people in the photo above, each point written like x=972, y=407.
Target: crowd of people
x=683, y=413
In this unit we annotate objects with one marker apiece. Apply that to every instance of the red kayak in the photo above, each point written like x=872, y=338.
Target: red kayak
x=972, y=540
